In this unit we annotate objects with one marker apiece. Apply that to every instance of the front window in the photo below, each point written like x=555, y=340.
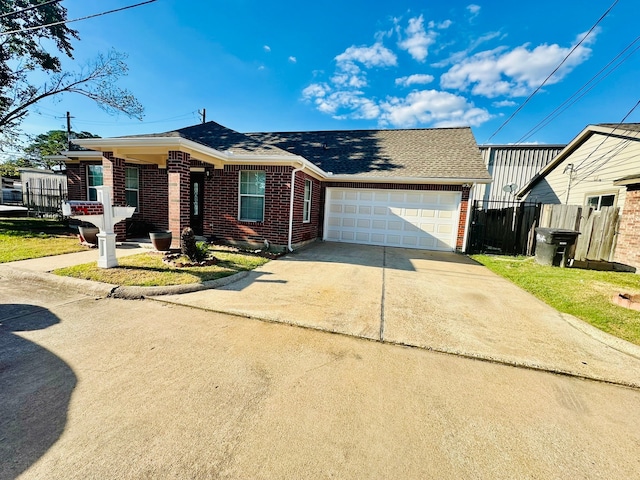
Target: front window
x=599, y=201
x=306, y=214
x=131, y=186
x=94, y=179
x=252, y=187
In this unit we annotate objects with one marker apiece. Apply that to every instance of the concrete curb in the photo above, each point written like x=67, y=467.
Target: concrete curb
x=603, y=337
x=134, y=293
x=87, y=287
x=104, y=290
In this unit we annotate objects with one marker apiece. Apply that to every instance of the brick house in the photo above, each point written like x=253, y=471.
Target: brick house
x=599, y=168
x=406, y=188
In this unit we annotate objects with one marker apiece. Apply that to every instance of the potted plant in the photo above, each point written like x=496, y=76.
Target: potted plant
x=161, y=240
x=88, y=233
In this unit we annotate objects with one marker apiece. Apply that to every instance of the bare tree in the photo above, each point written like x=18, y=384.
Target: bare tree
x=22, y=53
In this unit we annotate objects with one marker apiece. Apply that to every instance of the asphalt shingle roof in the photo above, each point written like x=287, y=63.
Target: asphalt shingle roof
x=425, y=153
x=219, y=137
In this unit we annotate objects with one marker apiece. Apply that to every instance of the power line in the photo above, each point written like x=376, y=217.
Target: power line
x=28, y=8
x=577, y=95
x=553, y=72
x=609, y=134
x=37, y=27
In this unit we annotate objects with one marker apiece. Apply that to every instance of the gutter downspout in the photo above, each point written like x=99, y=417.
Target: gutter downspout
x=293, y=189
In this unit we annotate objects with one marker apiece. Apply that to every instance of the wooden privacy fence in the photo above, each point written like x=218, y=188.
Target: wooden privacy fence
x=598, y=228
x=503, y=227
x=509, y=228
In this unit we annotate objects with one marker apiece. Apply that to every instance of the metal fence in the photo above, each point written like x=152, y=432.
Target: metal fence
x=42, y=200
x=506, y=227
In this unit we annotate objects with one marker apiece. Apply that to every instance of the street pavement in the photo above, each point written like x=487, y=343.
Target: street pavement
x=102, y=388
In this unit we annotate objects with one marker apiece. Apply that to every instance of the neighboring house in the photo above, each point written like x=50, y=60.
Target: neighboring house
x=600, y=167
x=405, y=188
x=512, y=167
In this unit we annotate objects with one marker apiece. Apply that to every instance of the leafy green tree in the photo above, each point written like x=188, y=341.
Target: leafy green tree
x=10, y=168
x=24, y=52
x=51, y=143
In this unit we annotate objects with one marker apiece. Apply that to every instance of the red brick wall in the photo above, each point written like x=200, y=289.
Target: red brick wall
x=74, y=182
x=303, y=232
x=628, y=243
x=464, y=205
x=77, y=180
x=221, y=205
x=178, y=172
x=153, y=195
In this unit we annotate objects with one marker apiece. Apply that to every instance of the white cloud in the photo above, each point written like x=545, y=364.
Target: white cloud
x=504, y=103
x=417, y=79
x=267, y=48
x=352, y=104
x=376, y=55
x=441, y=25
x=474, y=10
x=293, y=59
x=461, y=55
x=417, y=41
x=441, y=109
x=315, y=90
x=513, y=73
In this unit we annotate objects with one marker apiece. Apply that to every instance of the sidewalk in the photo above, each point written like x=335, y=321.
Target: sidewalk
x=38, y=270
x=47, y=264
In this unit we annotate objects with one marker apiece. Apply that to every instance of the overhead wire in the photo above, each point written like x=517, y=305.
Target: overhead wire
x=577, y=95
x=522, y=105
x=37, y=27
x=32, y=7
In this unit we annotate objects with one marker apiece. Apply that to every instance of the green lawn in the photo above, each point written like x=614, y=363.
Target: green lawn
x=23, y=238
x=585, y=294
x=148, y=269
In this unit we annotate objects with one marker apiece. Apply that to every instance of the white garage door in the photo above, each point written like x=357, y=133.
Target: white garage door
x=397, y=218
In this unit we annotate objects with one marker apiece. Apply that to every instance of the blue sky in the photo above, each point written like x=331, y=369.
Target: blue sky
x=332, y=65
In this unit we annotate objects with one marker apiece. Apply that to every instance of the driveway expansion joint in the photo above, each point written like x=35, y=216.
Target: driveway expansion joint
x=384, y=270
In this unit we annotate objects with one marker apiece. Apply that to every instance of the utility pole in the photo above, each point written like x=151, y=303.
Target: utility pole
x=68, y=131
x=203, y=114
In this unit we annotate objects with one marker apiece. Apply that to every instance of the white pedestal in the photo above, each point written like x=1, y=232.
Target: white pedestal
x=107, y=250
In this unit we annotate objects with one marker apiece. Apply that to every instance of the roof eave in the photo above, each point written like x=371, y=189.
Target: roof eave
x=409, y=180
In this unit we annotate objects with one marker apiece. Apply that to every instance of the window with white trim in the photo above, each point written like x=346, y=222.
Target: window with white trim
x=599, y=201
x=252, y=188
x=94, y=179
x=306, y=211
x=131, y=186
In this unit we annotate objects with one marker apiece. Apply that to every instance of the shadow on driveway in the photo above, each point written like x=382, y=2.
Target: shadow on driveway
x=35, y=390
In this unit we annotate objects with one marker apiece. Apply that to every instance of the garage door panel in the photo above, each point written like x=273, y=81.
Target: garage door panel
x=427, y=220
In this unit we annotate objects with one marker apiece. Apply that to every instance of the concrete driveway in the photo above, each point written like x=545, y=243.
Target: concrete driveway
x=438, y=301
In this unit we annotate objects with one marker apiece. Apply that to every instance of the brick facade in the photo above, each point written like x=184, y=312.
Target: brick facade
x=178, y=173
x=222, y=206
x=628, y=243
x=164, y=199
x=153, y=196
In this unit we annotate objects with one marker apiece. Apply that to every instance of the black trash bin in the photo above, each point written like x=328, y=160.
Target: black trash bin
x=554, y=246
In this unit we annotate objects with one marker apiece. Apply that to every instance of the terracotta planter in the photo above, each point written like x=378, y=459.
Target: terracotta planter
x=89, y=234
x=161, y=240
